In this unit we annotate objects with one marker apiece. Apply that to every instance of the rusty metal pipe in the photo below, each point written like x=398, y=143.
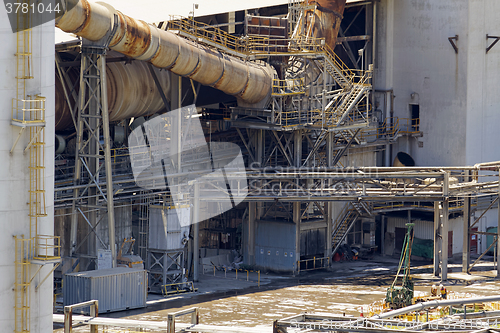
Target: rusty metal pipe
x=327, y=18
x=131, y=92
x=249, y=82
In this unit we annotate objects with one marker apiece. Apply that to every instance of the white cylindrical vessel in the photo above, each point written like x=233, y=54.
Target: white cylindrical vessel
x=15, y=176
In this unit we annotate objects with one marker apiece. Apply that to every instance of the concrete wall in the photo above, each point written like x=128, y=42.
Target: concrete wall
x=415, y=57
x=483, y=80
x=14, y=173
x=457, y=92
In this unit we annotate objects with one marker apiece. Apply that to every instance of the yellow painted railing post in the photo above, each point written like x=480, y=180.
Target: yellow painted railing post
x=258, y=280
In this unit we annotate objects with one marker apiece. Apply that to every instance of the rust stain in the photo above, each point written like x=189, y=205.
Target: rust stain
x=86, y=9
x=137, y=38
x=327, y=20
x=122, y=25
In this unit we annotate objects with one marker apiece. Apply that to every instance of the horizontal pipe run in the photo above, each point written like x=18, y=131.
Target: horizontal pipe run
x=250, y=82
x=436, y=303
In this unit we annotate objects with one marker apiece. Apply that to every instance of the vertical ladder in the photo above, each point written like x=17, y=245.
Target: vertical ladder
x=22, y=284
x=23, y=247
x=144, y=224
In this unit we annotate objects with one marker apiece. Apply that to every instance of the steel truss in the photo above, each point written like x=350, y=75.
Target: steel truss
x=94, y=199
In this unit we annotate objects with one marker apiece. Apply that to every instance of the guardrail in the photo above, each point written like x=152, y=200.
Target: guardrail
x=195, y=318
x=313, y=264
x=68, y=315
x=246, y=273
x=180, y=287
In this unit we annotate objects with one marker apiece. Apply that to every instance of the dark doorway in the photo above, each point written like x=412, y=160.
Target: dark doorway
x=415, y=117
x=473, y=240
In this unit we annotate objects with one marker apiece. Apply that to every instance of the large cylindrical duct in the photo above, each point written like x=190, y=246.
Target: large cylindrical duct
x=248, y=81
x=131, y=92
x=327, y=18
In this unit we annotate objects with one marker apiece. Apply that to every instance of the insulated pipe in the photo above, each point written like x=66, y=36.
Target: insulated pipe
x=250, y=82
x=131, y=92
x=433, y=304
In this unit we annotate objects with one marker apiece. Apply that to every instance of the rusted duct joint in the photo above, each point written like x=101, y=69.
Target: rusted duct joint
x=327, y=20
x=250, y=82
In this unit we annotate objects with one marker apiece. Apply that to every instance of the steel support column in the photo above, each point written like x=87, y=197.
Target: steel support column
x=466, y=232
x=444, y=242
x=196, y=232
x=437, y=237
x=498, y=227
x=297, y=220
x=329, y=205
x=445, y=227
x=92, y=118
x=252, y=216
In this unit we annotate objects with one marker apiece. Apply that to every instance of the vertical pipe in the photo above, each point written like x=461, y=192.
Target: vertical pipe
x=445, y=226
x=107, y=158
x=374, y=36
x=296, y=220
x=382, y=236
x=297, y=148
x=252, y=216
x=498, y=227
x=437, y=223
x=466, y=235
x=444, y=250
x=196, y=232
x=296, y=205
x=329, y=205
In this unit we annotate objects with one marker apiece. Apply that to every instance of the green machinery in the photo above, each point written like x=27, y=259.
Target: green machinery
x=399, y=296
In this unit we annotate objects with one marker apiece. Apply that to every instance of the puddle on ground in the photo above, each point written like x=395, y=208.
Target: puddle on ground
x=260, y=307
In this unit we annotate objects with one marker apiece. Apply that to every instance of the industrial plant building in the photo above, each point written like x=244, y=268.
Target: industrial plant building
x=277, y=138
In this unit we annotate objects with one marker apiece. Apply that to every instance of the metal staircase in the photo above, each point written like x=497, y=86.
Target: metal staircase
x=345, y=220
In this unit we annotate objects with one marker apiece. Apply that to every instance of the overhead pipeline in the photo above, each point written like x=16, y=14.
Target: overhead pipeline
x=131, y=92
x=248, y=81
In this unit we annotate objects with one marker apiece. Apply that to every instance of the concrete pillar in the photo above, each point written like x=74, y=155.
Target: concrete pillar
x=296, y=220
x=437, y=239
x=252, y=216
x=444, y=242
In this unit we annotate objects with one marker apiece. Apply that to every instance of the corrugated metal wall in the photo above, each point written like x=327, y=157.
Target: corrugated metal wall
x=116, y=288
x=165, y=231
x=425, y=229
x=275, y=246
x=312, y=242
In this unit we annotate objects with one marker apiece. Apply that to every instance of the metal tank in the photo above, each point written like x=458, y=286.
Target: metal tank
x=132, y=91
x=15, y=176
x=249, y=82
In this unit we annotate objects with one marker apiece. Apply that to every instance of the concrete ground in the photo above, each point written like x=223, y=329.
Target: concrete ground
x=383, y=266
